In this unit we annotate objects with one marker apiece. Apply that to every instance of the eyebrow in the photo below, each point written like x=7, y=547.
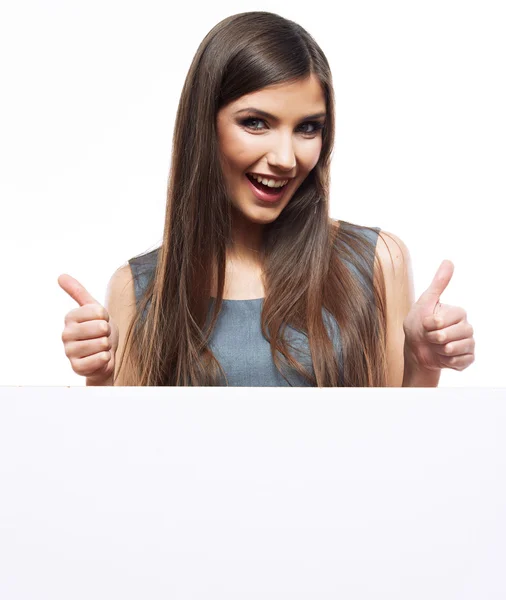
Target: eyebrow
x=274, y=118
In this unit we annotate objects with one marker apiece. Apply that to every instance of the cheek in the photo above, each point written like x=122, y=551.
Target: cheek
x=232, y=153
x=244, y=150
x=236, y=142
x=310, y=154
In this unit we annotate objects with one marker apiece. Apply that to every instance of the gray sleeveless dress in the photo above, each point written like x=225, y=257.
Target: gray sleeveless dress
x=237, y=341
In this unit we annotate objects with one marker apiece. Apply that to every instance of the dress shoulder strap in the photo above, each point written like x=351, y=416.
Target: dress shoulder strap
x=143, y=269
x=357, y=247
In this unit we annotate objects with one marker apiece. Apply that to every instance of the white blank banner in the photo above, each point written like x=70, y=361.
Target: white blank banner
x=203, y=493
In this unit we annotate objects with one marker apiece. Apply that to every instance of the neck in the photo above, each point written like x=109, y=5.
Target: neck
x=246, y=244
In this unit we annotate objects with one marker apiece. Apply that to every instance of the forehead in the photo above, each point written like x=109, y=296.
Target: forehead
x=297, y=98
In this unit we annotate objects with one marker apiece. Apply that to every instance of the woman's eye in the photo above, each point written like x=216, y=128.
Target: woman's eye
x=311, y=125
x=251, y=120
x=315, y=126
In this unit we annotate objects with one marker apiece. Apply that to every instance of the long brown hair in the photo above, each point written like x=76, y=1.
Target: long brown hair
x=306, y=255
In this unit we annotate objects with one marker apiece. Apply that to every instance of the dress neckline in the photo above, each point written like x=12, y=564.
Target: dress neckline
x=234, y=300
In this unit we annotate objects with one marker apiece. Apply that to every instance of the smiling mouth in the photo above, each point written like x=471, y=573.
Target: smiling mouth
x=266, y=188
x=266, y=194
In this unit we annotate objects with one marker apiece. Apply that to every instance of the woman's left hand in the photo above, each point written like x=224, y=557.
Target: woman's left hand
x=438, y=336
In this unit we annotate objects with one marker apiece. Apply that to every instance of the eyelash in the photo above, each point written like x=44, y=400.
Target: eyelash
x=317, y=125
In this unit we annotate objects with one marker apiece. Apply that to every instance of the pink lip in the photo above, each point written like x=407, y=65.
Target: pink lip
x=264, y=195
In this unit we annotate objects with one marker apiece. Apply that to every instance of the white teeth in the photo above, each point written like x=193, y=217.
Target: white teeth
x=270, y=182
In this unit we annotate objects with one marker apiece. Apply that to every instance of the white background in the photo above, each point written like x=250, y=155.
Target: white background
x=223, y=494
x=89, y=96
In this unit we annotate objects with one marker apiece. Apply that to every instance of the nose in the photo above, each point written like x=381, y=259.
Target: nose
x=282, y=156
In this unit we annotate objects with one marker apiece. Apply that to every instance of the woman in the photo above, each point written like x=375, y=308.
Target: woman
x=254, y=284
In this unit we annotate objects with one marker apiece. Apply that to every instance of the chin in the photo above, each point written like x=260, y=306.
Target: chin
x=260, y=219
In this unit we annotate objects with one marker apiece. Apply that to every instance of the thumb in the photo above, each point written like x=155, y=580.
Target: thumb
x=440, y=282
x=75, y=290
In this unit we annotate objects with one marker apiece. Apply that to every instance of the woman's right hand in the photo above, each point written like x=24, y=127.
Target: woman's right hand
x=90, y=336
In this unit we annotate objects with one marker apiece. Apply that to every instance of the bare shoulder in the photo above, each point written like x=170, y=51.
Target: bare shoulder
x=120, y=295
x=121, y=306
x=393, y=254
x=394, y=257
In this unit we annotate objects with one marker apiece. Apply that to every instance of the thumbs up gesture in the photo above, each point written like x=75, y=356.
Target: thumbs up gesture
x=90, y=336
x=438, y=335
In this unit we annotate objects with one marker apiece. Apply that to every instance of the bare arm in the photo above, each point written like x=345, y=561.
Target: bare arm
x=400, y=296
x=120, y=304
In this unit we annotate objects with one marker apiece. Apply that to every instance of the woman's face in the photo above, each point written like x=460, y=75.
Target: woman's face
x=285, y=145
